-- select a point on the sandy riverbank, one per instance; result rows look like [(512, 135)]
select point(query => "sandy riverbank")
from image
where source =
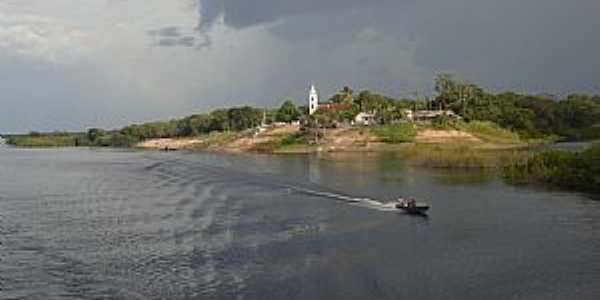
[(358, 139)]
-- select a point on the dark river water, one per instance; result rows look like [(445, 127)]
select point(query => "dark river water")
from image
[(110, 224)]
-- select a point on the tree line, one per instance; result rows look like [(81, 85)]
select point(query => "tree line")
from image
[(576, 117), (232, 119)]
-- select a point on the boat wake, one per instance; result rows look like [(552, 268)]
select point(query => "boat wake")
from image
[(275, 182), (362, 202)]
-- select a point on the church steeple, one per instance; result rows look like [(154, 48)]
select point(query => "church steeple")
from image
[(313, 100)]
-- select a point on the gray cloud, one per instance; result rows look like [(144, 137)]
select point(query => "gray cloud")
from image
[(531, 45), (171, 36), (184, 41), (240, 14), (187, 41), (167, 42), (170, 31)]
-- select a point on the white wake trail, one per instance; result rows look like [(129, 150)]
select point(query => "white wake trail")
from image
[(362, 202)]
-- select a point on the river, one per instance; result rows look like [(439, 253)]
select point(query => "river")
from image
[(113, 224)]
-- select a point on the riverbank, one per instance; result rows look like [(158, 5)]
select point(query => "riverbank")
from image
[(290, 139), (475, 147), (427, 147)]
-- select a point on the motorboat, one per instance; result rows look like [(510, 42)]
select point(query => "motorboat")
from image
[(411, 206)]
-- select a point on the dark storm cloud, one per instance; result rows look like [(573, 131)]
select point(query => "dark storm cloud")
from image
[(532, 45), (525, 44)]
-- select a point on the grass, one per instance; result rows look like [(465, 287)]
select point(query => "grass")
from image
[(44, 141), (491, 132), (396, 133), (293, 139), (560, 168), (287, 141), (216, 139), (459, 156)]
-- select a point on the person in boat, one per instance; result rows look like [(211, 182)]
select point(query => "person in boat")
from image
[(412, 203), (402, 201)]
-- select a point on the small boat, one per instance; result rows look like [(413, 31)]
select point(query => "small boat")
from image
[(412, 207), (168, 149)]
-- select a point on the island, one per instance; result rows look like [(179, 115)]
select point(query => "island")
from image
[(462, 126)]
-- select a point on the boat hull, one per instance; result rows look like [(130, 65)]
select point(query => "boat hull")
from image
[(417, 210)]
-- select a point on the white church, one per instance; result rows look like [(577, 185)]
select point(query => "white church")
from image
[(361, 118), (314, 105), (313, 100)]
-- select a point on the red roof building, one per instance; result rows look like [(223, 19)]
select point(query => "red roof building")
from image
[(335, 106)]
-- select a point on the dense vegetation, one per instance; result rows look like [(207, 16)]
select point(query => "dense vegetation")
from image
[(560, 168), (490, 132), (55, 139), (576, 117), (460, 156), (233, 119)]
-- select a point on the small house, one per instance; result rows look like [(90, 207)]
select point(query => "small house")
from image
[(364, 119), (430, 115)]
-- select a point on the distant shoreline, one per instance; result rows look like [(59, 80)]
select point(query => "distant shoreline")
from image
[(290, 139)]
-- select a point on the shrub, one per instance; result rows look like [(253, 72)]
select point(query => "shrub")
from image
[(565, 169), (396, 133)]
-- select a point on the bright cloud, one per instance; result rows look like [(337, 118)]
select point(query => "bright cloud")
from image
[(41, 38)]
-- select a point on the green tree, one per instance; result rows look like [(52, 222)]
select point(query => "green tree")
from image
[(346, 95), (445, 86), (246, 117), (94, 134), (219, 120), (288, 112)]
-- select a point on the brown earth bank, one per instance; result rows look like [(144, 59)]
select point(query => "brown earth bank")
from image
[(225, 141), (431, 136), (356, 139), (170, 144), (252, 142)]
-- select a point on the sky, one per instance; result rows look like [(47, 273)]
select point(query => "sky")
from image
[(77, 64)]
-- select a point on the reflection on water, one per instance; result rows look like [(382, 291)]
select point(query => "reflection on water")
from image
[(90, 224)]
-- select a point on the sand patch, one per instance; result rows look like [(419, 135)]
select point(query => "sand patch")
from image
[(171, 144), (431, 136)]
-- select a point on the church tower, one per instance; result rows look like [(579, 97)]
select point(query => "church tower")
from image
[(313, 100)]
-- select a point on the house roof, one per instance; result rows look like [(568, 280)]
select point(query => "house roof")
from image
[(335, 106)]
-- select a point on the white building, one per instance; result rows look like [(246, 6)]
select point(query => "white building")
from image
[(428, 115), (365, 119), (313, 100)]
